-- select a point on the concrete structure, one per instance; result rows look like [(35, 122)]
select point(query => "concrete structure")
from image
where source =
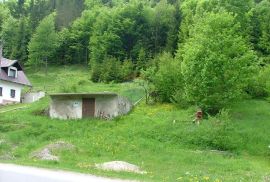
[(12, 80), (32, 97), (103, 105)]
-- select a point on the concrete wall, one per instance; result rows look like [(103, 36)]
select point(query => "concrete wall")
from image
[(106, 107), (7, 86), (66, 109), (32, 97), (124, 105)]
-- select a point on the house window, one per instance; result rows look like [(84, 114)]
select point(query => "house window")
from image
[(12, 93), (12, 72), (1, 91)]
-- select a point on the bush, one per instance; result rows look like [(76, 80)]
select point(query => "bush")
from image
[(166, 77), (259, 86), (112, 70), (220, 134)]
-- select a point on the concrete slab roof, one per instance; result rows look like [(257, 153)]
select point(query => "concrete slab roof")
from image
[(82, 95)]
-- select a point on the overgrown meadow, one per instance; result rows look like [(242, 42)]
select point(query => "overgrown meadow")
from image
[(160, 138)]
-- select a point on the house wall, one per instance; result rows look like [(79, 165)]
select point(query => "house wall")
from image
[(7, 86), (66, 108)]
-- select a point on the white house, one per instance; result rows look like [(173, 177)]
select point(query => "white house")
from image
[(12, 80)]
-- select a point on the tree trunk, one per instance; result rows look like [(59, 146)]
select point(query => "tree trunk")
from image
[(46, 66)]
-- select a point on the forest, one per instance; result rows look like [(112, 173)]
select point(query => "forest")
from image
[(188, 52)]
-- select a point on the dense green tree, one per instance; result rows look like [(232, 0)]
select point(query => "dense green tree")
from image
[(122, 32), (44, 42), (191, 9), (261, 30), (75, 39), (216, 62), (38, 9), (22, 38), (164, 27), (4, 15), (9, 35), (68, 11)]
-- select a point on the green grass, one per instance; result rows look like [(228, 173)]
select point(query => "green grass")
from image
[(160, 138), (77, 79)]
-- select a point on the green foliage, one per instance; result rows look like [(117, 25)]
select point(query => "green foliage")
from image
[(167, 78), (133, 31), (75, 40), (38, 10), (112, 70), (4, 14), (193, 9), (261, 30), (44, 42), (9, 29), (216, 62), (259, 87), (68, 11)]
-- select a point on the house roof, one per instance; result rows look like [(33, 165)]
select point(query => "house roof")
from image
[(6, 62), (82, 95), (21, 78)]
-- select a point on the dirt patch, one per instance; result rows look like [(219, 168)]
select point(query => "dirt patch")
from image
[(119, 166), (47, 152), (60, 145)]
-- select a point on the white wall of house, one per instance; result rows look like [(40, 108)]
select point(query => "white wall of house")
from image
[(6, 96)]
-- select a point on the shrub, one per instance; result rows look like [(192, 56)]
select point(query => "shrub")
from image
[(259, 86), (112, 70), (127, 70), (166, 77)]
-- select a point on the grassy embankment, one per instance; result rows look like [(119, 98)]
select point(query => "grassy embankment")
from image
[(160, 138)]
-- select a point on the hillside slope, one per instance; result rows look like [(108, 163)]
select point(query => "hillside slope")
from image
[(160, 138)]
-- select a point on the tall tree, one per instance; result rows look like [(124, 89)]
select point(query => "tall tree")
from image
[(261, 30), (216, 62), (39, 9), (44, 42), (9, 36), (68, 11)]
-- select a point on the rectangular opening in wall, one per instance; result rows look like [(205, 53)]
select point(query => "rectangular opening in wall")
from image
[(88, 107), (12, 93), (1, 91)]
